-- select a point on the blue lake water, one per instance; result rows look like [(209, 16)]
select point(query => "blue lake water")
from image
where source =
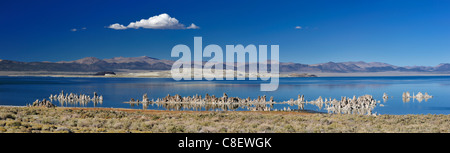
[(20, 91)]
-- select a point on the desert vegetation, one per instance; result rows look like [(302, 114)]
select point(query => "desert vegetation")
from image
[(98, 120)]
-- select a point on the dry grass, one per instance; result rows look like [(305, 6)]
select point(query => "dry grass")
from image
[(86, 120)]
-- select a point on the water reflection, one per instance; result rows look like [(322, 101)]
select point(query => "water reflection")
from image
[(362, 105), (419, 97), (196, 102), (385, 97), (203, 107), (352, 86)]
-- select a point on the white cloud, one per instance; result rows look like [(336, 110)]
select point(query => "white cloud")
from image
[(117, 26), (162, 21), (193, 26), (298, 27), (75, 29)]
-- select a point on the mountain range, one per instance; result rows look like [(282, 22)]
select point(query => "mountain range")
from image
[(92, 64)]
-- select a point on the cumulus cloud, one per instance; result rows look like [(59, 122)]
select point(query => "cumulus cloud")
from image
[(298, 27), (162, 21)]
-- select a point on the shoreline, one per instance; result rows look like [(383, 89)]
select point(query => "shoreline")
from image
[(152, 111)]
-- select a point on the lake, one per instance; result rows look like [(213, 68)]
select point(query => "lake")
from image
[(19, 91)]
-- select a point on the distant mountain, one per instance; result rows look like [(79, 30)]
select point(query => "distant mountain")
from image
[(86, 60), (145, 59), (443, 67), (92, 64), (362, 64), (120, 60), (297, 67), (347, 67), (339, 67)]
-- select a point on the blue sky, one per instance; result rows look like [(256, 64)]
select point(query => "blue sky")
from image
[(399, 32)]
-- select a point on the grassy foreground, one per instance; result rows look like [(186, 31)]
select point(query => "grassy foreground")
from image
[(82, 120)]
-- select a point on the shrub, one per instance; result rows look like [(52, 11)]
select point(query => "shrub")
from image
[(155, 117), (2, 129), (63, 130), (175, 129), (5, 116), (289, 128), (13, 123)]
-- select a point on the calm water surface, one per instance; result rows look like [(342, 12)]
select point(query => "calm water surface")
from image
[(19, 91)]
